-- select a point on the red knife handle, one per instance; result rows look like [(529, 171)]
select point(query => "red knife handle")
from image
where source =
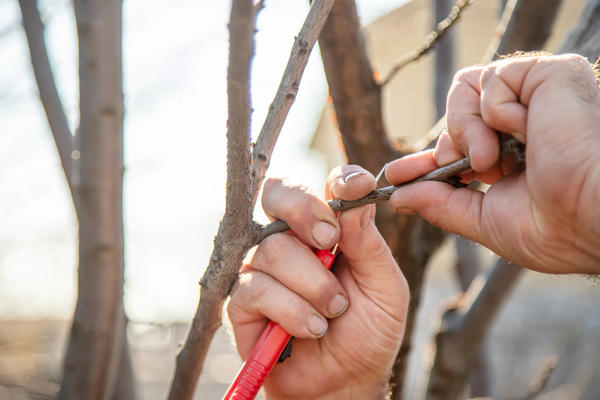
[(265, 353)]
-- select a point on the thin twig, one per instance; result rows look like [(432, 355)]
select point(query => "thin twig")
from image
[(430, 40), (443, 174), (286, 93), (53, 107), (542, 378)]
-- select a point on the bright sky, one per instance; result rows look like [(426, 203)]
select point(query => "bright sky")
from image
[(175, 55)]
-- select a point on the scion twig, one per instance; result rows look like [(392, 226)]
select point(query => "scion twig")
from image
[(443, 174)]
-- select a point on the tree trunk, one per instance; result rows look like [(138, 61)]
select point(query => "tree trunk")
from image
[(95, 346), (444, 64), (357, 102), (584, 38), (462, 333)]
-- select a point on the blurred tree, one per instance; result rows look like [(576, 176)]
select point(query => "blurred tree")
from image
[(97, 362)]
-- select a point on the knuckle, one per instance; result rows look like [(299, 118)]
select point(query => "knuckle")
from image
[(270, 183), (274, 248), (252, 286), (463, 73), (321, 286)]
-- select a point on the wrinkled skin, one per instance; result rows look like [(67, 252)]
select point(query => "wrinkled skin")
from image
[(349, 322), (546, 217)]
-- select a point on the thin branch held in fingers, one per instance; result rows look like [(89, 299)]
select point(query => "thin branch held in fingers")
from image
[(430, 40), (286, 93), (443, 174)]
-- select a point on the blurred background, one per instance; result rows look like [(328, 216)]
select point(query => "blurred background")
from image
[(175, 59)]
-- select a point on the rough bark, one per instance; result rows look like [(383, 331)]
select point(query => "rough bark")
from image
[(95, 346), (237, 230), (229, 249), (444, 65)]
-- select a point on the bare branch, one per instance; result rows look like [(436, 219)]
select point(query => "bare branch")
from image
[(532, 13), (430, 40), (96, 340), (286, 93), (355, 93), (464, 328), (57, 119), (229, 249)]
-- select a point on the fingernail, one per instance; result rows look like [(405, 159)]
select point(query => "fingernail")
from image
[(337, 305), (317, 325), (352, 175), (323, 233)]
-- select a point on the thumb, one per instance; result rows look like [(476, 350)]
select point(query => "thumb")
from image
[(370, 259), (454, 210)]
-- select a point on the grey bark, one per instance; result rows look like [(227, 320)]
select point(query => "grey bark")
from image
[(66, 143), (444, 65), (584, 38), (464, 328), (95, 346), (57, 119), (236, 234)]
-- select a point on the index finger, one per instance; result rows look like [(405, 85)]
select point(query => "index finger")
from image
[(308, 216)]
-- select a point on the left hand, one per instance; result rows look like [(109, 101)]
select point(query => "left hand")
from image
[(337, 352)]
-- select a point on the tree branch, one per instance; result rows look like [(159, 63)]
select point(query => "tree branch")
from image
[(95, 345), (430, 40), (464, 328), (535, 14), (458, 344), (229, 249), (442, 174), (57, 119), (286, 93), (355, 93)]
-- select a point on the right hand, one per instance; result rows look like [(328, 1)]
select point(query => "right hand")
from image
[(545, 217)]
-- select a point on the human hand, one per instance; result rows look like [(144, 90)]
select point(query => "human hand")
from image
[(545, 217), (364, 296)]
